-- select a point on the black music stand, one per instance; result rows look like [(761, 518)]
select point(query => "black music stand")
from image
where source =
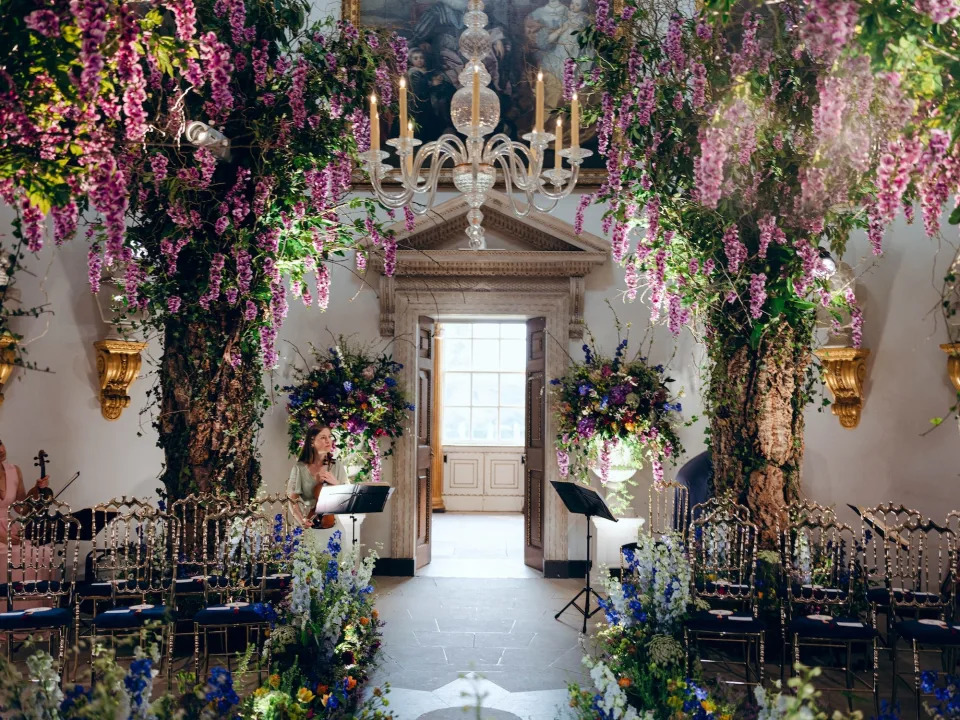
[(582, 500), (351, 500)]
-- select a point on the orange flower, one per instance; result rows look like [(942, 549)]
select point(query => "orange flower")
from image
[(375, 614), (324, 700), (322, 689), (351, 683), (624, 682), (364, 621)]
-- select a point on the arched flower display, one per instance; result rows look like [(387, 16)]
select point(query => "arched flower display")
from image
[(354, 391), (614, 407)]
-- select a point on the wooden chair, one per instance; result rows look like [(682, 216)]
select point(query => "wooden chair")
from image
[(922, 580), (40, 572), (722, 549), (818, 595)]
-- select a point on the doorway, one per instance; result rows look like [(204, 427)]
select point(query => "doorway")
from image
[(481, 447)]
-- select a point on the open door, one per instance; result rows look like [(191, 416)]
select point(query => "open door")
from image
[(534, 446), (425, 370)]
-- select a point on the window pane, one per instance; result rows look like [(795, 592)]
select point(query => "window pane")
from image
[(456, 388), (456, 424), (456, 353), (457, 330), (484, 425), (513, 330), (486, 355), (486, 330), (511, 389), (513, 354), (484, 390), (511, 426)]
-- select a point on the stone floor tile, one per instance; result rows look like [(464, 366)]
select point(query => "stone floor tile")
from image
[(473, 658), (445, 639), (503, 640)]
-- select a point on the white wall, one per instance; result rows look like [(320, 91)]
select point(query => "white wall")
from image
[(885, 458)]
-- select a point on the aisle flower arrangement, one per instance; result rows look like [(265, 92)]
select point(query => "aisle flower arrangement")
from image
[(354, 391), (614, 408)]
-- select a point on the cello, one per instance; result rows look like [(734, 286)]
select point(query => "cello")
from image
[(324, 522)]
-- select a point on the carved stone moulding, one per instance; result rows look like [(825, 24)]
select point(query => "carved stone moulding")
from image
[(8, 355), (953, 363), (118, 363), (845, 369)]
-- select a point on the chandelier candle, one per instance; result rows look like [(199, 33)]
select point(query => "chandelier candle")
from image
[(574, 122), (403, 108), (558, 146), (477, 152)]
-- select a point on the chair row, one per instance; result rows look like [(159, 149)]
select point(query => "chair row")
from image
[(832, 583), (144, 563)]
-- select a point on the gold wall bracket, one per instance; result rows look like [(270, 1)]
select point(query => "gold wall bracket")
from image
[(118, 363), (845, 370), (8, 356), (953, 363)]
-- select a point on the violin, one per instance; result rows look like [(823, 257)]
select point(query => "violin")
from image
[(41, 461), (324, 522)]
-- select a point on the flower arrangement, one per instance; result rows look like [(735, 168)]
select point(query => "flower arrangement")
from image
[(947, 705), (355, 392), (614, 406)]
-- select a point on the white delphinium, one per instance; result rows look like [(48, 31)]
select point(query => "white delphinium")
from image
[(801, 558), (613, 700), (41, 697)]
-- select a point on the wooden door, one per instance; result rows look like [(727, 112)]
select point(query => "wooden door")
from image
[(425, 370), (535, 446)]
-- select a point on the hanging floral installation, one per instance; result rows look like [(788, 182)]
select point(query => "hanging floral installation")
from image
[(353, 390), (611, 411), (215, 154), (741, 148)]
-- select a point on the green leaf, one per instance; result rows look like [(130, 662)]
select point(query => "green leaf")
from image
[(955, 216)]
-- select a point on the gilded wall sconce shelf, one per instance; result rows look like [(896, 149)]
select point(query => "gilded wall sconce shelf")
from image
[(845, 369), (7, 357), (953, 363), (118, 363)]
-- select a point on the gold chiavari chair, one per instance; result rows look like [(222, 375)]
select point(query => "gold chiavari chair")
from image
[(41, 566), (810, 510), (140, 546), (819, 602), (286, 538), (668, 511), (191, 514), (722, 548), (876, 531), (235, 571), (922, 584)]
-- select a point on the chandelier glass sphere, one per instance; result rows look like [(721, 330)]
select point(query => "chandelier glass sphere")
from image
[(475, 113)]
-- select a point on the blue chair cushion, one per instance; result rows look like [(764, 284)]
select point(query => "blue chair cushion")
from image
[(928, 634), (95, 589), (41, 618), (881, 596), (738, 623), (840, 628), (222, 615), (878, 596), (816, 592), (119, 618), (279, 581)]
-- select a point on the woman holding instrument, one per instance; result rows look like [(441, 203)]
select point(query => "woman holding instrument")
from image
[(314, 469)]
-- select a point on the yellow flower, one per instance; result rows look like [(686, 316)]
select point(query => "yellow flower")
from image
[(708, 705), (325, 699), (274, 681), (260, 692), (304, 695)]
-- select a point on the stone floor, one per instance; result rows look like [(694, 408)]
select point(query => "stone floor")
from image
[(478, 545)]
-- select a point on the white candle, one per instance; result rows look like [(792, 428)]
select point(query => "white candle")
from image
[(575, 122), (558, 145), (374, 125), (475, 110), (539, 120), (403, 108), (410, 156)]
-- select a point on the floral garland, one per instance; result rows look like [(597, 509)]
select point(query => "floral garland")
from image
[(606, 406), (355, 392)]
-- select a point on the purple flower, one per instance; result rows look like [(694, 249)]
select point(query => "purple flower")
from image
[(173, 304), (758, 294), (586, 427), (348, 386), (44, 22)]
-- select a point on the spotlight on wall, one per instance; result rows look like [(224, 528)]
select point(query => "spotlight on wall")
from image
[(828, 266), (202, 135)]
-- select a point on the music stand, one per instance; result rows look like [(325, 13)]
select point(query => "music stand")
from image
[(582, 500), (351, 500)]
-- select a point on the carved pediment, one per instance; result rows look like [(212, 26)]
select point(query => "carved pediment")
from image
[(536, 246)]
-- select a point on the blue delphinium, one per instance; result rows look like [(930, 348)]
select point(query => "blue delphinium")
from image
[(72, 697), (333, 571), (333, 544), (888, 711), (220, 689)]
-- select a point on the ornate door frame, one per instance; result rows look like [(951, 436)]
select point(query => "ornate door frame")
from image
[(542, 276)]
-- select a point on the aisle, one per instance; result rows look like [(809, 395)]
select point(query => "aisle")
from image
[(439, 629)]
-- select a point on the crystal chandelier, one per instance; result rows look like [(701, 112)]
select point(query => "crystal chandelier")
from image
[(475, 112)]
